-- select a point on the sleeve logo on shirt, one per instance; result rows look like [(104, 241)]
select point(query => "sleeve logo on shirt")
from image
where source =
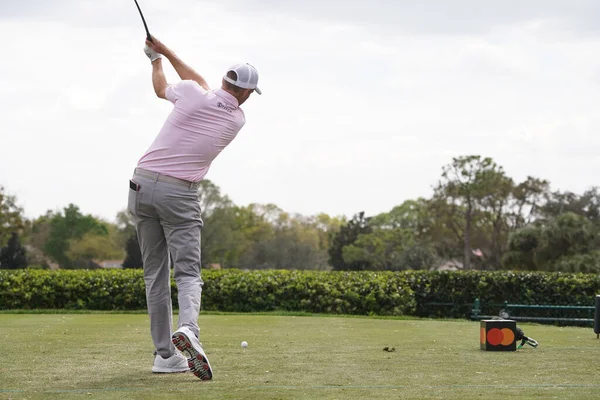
[(225, 107)]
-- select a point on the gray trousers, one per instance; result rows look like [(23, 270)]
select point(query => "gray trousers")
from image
[(166, 212)]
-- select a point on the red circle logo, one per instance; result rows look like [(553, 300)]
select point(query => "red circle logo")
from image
[(495, 336)]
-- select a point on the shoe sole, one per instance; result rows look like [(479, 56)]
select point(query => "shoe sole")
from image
[(168, 371), (197, 361)]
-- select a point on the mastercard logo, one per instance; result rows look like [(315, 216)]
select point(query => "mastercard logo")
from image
[(497, 337)]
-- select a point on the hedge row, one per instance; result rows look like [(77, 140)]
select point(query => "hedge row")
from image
[(72, 289), (383, 293), (360, 293), (496, 287)]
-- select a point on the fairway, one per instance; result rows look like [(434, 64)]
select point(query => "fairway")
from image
[(109, 356)]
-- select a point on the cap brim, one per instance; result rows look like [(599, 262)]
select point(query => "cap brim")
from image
[(257, 90)]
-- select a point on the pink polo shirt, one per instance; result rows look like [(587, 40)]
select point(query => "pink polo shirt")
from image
[(200, 126)]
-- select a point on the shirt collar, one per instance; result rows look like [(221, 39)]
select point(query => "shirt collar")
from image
[(228, 97)]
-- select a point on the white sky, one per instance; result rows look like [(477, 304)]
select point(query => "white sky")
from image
[(364, 101)]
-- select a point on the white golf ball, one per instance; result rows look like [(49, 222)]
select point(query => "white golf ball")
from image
[(244, 344)]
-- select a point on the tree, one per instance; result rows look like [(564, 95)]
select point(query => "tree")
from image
[(133, 255), (494, 203), (588, 263), (408, 215), (568, 234), (125, 226), (221, 243), (418, 256), (522, 247), (12, 256), (37, 233), (94, 247), (346, 236), (554, 244), (586, 205), (128, 240), (210, 198), (253, 224), (294, 244), (379, 250), (526, 202), (223, 238), (11, 217), (399, 240), (267, 237), (445, 234), (69, 225), (327, 227), (471, 186)]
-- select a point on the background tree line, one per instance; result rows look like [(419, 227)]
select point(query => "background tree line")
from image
[(476, 218)]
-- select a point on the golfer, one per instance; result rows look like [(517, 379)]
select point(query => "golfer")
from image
[(163, 199)]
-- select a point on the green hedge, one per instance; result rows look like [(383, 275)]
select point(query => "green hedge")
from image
[(363, 293), (383, 293), (72, 289), (360, 293), (496, 287)]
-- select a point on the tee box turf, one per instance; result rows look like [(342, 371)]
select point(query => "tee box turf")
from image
[(498, 335)]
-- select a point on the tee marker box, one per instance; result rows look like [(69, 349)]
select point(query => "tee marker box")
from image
[(498, 335)]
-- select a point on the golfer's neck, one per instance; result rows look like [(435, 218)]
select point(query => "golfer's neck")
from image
[(238, 96)]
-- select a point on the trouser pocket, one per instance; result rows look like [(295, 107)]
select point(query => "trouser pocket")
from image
[(132, 201)]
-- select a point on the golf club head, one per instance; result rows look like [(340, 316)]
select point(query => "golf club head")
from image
[(532, 342)]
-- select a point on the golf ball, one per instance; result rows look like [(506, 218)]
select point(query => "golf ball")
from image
[(244, 344)]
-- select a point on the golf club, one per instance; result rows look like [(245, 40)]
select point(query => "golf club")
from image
[(148, 37)]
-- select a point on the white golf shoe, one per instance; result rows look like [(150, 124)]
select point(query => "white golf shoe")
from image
[(186, 341), (176, 363)]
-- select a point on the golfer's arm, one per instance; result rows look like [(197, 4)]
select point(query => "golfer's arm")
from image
[(184, 71), (159, 81)]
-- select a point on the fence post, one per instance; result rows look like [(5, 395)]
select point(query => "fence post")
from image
[(597, 318), (476, 310)]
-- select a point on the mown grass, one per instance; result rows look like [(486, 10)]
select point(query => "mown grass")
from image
[(109, 356)]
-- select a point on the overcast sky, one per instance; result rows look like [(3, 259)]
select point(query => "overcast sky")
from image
[(363, 102)]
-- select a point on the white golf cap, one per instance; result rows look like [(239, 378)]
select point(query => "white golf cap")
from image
[(247, 77)]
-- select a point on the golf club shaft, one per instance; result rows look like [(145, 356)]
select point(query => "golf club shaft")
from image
[(148, 37)]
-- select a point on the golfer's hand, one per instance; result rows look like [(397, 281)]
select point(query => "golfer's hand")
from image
[(157, 46), (152, 55)]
